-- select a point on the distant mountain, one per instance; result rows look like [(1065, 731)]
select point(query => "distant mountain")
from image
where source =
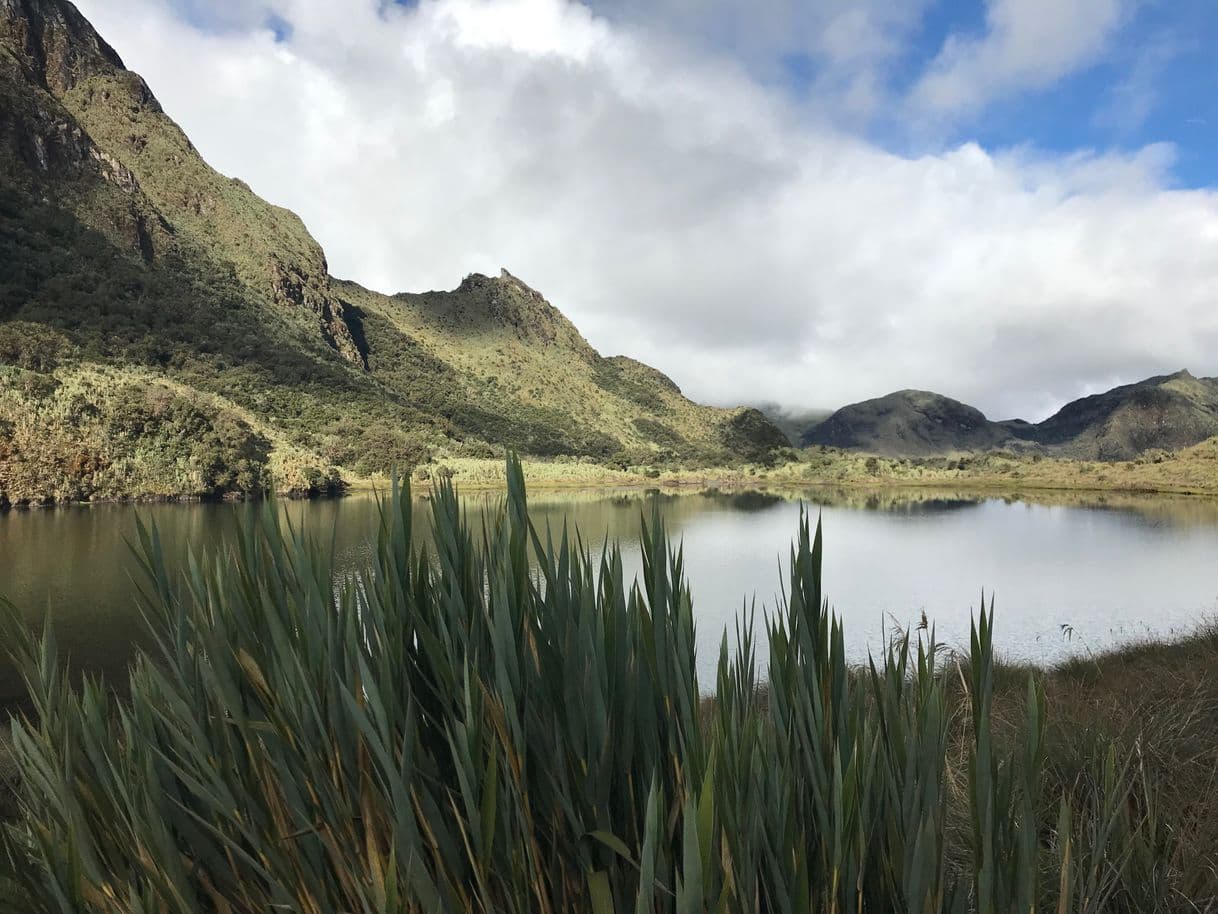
[(164, 331), (912, 423), (1168, 412)]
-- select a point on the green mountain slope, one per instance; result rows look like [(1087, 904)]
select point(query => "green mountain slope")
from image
[(165, 332)]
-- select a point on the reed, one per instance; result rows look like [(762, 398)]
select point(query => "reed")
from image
[(501, 721)]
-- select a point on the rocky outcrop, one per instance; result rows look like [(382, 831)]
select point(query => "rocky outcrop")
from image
[(54, 42), (293, 288), (44, 150)]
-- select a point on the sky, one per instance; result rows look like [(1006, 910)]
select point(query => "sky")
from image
[(800, 202)]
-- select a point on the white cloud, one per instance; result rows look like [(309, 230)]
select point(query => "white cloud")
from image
[(682, 213), (1027, 44), (838, 54)]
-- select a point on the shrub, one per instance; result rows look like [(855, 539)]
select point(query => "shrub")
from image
[(33, 347), (106, 436), (749, 434), (381, 449)]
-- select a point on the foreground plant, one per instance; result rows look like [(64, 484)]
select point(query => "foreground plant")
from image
[(500, 722)]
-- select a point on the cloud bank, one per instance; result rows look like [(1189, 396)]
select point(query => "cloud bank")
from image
[(686, 212)]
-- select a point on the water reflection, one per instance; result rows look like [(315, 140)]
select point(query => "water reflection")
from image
[(1109, 567)]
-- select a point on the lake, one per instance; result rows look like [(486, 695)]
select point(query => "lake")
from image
[(1068, 578)]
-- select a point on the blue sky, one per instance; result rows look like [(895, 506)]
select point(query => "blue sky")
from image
[(1156, 83)]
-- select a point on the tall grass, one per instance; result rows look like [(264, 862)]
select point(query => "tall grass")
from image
[(503, 722)]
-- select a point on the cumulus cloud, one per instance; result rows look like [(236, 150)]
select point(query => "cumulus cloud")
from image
[(681, 211), (843, 49), (1026, 44)]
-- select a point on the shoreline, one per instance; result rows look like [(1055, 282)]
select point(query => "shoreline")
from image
[(487, 477)]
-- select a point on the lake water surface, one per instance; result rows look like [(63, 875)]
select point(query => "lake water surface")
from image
[(1068, 578)]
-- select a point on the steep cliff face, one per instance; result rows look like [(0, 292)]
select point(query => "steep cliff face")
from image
[(44, 151), (71, 109), (158, 318), (54, 42)]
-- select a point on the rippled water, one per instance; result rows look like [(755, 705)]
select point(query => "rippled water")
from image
[(1067, 577)]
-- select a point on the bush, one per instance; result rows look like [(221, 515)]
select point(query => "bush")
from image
[(33, 347), (105, 436), (749, 434)]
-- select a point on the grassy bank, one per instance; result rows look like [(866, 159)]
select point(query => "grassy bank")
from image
[(1190, 471), (471, 732), (1154, 704)]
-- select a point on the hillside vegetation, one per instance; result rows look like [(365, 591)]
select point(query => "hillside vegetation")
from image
[(124, 256)]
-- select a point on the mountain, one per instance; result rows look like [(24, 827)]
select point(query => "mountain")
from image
[(1169, 412), (912, 423), (165, 331)]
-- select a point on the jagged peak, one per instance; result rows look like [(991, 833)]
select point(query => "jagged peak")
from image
[(505, 279), (518, 283)]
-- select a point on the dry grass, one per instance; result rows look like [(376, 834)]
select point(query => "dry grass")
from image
[(1156, 704), (1193, 471)]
